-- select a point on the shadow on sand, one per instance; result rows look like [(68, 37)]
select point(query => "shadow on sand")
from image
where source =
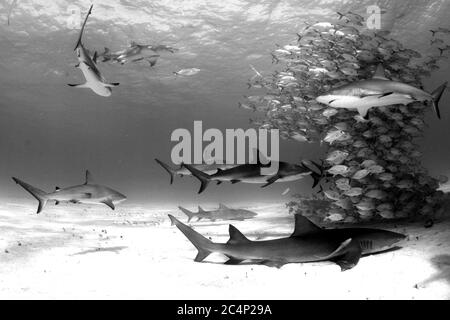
[(442, 265), (96, 250)]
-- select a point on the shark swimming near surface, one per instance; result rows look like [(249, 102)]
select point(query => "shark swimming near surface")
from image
[(223, 213), (87, 193), (379, 91), (88, 66), (308, 243), (251, 173)]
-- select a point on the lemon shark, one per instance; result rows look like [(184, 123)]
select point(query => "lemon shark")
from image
[(379, 91), (251, 173), (223, 213), (308, 243), (88, 193), (88, 66)]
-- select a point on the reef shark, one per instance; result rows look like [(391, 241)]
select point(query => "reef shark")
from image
[(251, 173), (223, 213), (308, 243), (182, 171), (379, 91), (88, 66), (88, 193), (136, 52)]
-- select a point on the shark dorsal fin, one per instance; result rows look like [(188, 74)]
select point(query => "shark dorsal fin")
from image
[(57, 188), (303, 226), (379, 73), (222, 206), (236, 236), (89, 179), (200, 209)]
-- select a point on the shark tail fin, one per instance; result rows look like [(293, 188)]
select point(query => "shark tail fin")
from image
[(437, 94), (167, 168), (40, 195), (203, 177), (82, 28), (189, 214), (202, 244)]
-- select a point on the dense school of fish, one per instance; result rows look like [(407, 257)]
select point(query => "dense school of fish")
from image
[(372, 168)]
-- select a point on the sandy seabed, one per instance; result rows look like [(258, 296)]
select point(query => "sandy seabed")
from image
[(82, 252)]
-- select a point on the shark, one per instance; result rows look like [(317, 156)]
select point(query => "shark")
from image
[(182, 171), (251, 173), (88, 66), (379, 91), (308, 243), (87, 193), (223, 213), (136, 52)]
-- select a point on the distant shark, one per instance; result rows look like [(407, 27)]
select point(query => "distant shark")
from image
[(182, 171), (135, 53), (379, 91), (88, 193), (251, 173), (223, 213), (88, 66), (308, 243)]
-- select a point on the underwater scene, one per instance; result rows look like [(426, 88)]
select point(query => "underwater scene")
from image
[(203, 149)]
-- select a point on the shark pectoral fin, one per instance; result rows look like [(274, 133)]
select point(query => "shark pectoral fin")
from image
[(363, 111), (109, 203), (350, 258), (276, 264), (79, 85), (235, 181), (112, 85), (271, 180), (233, 261)]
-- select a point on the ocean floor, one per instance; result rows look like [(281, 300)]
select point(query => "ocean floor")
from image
[(76, 251)]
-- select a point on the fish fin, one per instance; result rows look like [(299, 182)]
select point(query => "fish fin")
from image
[(106, 50), (167, 168), (276, 264), (152, 60), (350, 258), (89, 179), (109, 203), (437, 94), (111, 85), (222, 206), (235, 181), (379, 73), (385, 94), (82, 28), (56, 203), (219, 182), (77, 65), (189, 214), (236, 236), (200, 175), (233, 261), (363, 111), (304, 226), (271, 180), (57, 188), (200, 242), (316, 178), (79, 85), (40, 195), (94, 57)]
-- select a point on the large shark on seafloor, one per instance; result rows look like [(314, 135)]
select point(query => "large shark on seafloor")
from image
[(377, 92), (308, 243), (88, 66), (223, 213), (251, 173), (88, 193)]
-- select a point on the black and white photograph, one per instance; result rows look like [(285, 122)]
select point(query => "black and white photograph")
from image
[(200, 150)]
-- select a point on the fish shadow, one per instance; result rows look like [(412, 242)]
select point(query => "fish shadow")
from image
[(442, 265), (116, 250)]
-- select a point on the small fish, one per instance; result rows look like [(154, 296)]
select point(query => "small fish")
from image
[(376, 194), (187, 72), (361, 174), (339, 170), (337, 157), (354, 192), (332, 195)]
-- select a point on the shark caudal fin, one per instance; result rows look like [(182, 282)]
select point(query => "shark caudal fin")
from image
[(189, 214), (168, 169), (202, 244), (200, 175), (82, 28), (437, 94), (40, 195)]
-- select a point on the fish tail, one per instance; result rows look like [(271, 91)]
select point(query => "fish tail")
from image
[(40, 195), (203, 245), (82, 28), (437, 94), (203, 177), (168, 169), (189, 214)]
